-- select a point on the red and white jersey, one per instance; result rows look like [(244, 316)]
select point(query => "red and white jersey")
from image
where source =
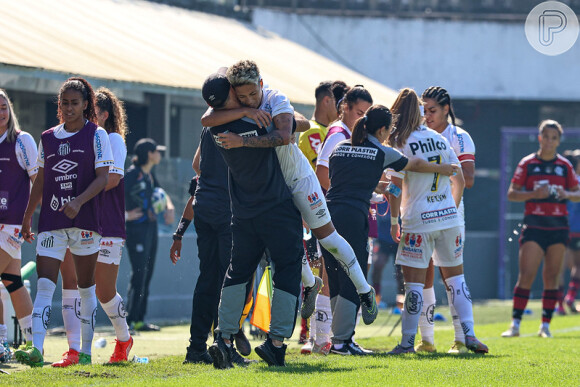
[(427, 202), (461, 142), (550, 213)]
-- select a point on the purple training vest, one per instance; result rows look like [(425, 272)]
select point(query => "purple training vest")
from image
[(113, 212), (14, 184), (373, 225), (69, 168)]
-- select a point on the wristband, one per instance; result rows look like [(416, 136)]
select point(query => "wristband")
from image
[(177, 237), (182, 226), (394, 220)]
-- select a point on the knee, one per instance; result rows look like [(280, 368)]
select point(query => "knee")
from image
[(12, 282)]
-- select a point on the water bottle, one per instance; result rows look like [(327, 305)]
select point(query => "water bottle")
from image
[(140, 360)]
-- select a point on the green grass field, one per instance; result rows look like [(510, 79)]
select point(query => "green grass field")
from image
[(524, 361)]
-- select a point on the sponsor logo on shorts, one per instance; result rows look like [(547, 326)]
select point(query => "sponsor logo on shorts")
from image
[(4, 200), (105, 253), (314, 200), (107, 243), (17, 233), (63, 149), (412, 246), (320, 213), (14, 242), (87, 238), (48, 243), (413, 302), (64, 166), (458, 246)]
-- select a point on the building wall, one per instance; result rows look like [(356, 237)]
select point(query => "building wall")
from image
[(472, 59)]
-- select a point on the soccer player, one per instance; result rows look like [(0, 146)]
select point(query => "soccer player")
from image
[(544, 180), (74, 160), (142, 235), (438, 113), (19, 168), (573, 248), (430, 222), (263, 216), (355, 169), (307, 194)]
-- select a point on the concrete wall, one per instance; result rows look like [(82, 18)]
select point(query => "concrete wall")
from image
[(472, 59)]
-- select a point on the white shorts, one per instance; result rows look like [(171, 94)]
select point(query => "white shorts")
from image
[(308, 198), (111, 251), (11, 240), (446, 247), (54, 243)]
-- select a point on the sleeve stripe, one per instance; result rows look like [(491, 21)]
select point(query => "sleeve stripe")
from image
[(466, 157)]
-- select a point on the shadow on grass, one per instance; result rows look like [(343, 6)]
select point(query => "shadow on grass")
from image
[(436, 356), (307, 368)]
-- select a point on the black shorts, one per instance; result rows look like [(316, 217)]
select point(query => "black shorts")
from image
[(545, 238)]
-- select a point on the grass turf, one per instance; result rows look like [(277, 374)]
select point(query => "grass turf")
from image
[(527, 360)]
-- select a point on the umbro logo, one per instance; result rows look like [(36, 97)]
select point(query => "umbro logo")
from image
[(64, 166)]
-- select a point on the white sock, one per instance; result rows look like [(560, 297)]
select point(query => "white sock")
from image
[(411, 312), (344, 254), (115, 309), (545, 325), (88, 311), (3, 333), (462, 302), (71, 308), (516, 323), (41, 311), (26, 327), (459, 335), (307, 276), (323, 315), (426, 323)]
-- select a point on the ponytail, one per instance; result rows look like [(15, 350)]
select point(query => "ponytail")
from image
[(375, 118)]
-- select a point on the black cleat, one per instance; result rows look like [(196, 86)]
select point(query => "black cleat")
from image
[(242, 343), (197, 357), (220, 354), (270, 354)]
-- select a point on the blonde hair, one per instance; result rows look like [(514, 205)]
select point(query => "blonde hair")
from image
[(406, 110), (244, 72), (13, 127)]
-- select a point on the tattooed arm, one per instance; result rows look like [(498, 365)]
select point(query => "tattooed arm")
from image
[(279, 136)]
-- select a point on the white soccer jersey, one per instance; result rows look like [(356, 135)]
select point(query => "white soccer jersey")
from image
[(427, 203), (293, 163), (26, 152), (464, 149)]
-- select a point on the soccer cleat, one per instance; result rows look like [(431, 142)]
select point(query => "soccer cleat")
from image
[(197, 357), (270, 354), (70, 357), (140, 326), (237, 359), (121, 352), (310, 295), (242, 343), (5, 352), (322, 349), (511, 332), (31, 357), (560, 311), (400, 350), (458, 347), (350, 348), (475, 345), (306, 348), (220, 354), (84, 359), (425, 346), (570, 304), (544, 332), (368, 304)]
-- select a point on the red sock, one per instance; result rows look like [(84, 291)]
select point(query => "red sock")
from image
[(521, 297), (549, 300)]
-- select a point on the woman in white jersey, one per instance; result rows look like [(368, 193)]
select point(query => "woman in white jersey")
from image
[(74, 159), (440, 117), (18, 166), (110, 116), (307, 194), (431, 224)]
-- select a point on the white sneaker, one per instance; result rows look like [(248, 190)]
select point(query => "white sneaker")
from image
[(511, 332), (306, 348), (544, 332)]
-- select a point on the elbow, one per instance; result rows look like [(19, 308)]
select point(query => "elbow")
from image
[(286, 138), (469, 182), (205, 121)]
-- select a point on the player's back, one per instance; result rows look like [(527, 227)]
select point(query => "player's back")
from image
[(427, 203)]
